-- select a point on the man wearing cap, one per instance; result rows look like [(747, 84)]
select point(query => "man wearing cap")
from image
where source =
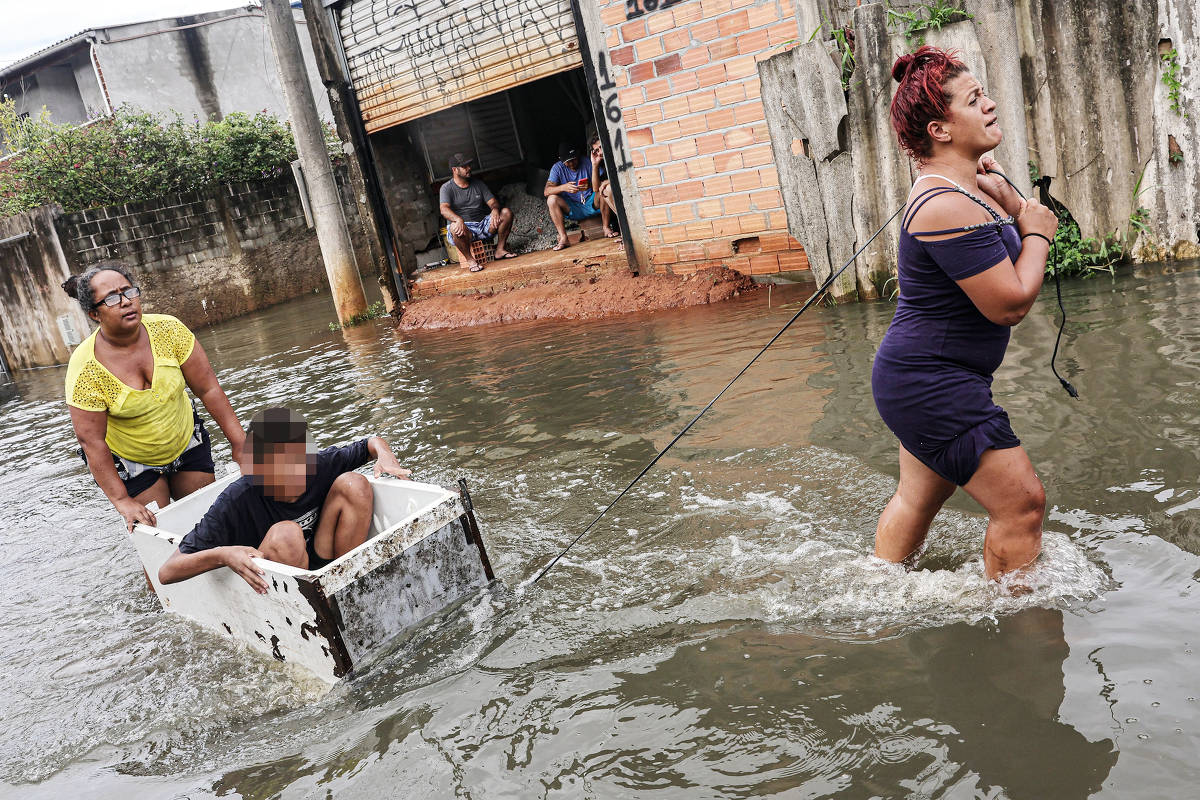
[(569, 189), (295, 505), (472, 213)]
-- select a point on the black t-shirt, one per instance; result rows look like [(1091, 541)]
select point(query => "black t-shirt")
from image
[(242, 514)]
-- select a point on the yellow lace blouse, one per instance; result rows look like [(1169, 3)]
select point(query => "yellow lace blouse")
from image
[(150, 426)]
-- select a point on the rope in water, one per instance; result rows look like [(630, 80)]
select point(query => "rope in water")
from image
[(1043, 184), (824, 287)]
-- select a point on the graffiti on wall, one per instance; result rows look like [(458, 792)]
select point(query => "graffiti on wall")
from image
[(637, 8), (411, 57), (612, 111)]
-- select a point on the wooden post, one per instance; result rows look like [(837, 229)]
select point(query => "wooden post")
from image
[(337, 250)]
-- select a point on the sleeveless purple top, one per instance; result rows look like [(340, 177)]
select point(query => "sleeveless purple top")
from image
[(932, 375)]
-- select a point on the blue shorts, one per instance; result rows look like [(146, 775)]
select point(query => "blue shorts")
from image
[(584, 210), (196, 458), (481, 230)]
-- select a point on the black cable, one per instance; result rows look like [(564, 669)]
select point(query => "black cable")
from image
[(1043, 184), (816, 295)]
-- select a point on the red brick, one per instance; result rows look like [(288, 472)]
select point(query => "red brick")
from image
[(711, 75), (763, 15), (778, 220), (612, 39), (741, 137), (727, 162), (706, 31), (722, 249), (768, 176), (654, 217), (745, 181), (734, 24), (674, 172), (641, 72), (699, 230), (753, 223), (701, 101), (663, 195), (762, 264), (757, 156), (675, 107), (639, 158), (753, 87), (648, 176), (647, 113), (666, 131), (691, 190), (701, 167), (684, 212), (674, 234), (773, 242), (695, 57), (684, 148), (783, 32), (793, 260), (737, 204), (741, 67), (613, 15), (659, 154), (686, 14), (622, 56), (648, 49), (631, 97), (692, 126), (663, 255), (658, 89), (717, 185), (727, 226), (690, 252), (657, 23), (736, 4), (714, 8), (767, 200), (684, 81), (731, 93), (720, 120), (739, 263), (632, 31), (726, 48), (762, 133), (753, 42), (640, 137), (712, 143), (677, 40), (709, 208), (667, 64), (747, 113)]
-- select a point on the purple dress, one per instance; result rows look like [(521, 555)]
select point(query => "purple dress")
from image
[(932, 377)]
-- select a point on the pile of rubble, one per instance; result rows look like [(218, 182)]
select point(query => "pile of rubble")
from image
[(533, 229)]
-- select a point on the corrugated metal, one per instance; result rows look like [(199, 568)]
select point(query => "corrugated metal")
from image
[(413, 58)]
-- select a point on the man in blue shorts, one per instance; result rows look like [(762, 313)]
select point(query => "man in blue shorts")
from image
[(472, 213), (569, 190), (295, 506)]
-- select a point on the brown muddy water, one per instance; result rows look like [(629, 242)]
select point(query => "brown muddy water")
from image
[(725, 634)]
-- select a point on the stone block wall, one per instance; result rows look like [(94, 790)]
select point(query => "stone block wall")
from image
[(702, 165)]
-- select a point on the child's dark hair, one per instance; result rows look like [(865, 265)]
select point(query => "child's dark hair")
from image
[(79, 286), (272, 427)]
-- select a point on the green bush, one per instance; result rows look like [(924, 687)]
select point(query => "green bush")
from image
[(134, 155)]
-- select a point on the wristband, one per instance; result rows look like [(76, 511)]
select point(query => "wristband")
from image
[(1046, 239)]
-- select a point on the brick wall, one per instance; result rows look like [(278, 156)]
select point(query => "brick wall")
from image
[(702, 163)]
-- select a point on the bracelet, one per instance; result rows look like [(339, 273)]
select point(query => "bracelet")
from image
[(1046, 239)]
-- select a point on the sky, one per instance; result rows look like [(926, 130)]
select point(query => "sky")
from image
[(30, 25)]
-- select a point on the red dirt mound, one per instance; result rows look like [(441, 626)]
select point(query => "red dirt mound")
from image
[(580, 299)]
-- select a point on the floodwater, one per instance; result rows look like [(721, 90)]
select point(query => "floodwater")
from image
[(725, 634)]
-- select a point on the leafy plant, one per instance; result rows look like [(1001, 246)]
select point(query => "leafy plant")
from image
[(1171, 79), (134, 155), (1075, 254), (843, 37), (374, 311), (914, 23)]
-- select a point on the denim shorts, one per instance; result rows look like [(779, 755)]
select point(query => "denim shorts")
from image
[(481, 230), (196, 458)]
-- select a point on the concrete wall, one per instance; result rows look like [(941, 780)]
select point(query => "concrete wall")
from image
[(1079, 93), (203, 257), (208, 70), (60, 87)]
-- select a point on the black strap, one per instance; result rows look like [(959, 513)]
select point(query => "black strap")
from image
[(925, 196)]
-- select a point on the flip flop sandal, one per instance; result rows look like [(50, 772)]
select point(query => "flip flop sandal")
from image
[(506, 256), (562, 246), (476, 268)]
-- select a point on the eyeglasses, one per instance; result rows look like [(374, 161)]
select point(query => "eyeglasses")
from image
[(114, 298)]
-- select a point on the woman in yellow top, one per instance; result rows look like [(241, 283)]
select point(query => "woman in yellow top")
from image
[(125, 387)]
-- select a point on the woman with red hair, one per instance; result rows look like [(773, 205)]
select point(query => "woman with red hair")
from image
[(971, 261)]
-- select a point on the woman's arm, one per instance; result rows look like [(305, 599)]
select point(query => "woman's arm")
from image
[(1005, 293), (201, 379), (90, 428)]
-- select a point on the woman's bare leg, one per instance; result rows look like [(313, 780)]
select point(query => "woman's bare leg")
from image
[(906, 519), (1006, 485)]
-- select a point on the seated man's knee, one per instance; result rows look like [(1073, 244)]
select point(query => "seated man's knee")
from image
[(284, 542), (506, 214), (353, 486)]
